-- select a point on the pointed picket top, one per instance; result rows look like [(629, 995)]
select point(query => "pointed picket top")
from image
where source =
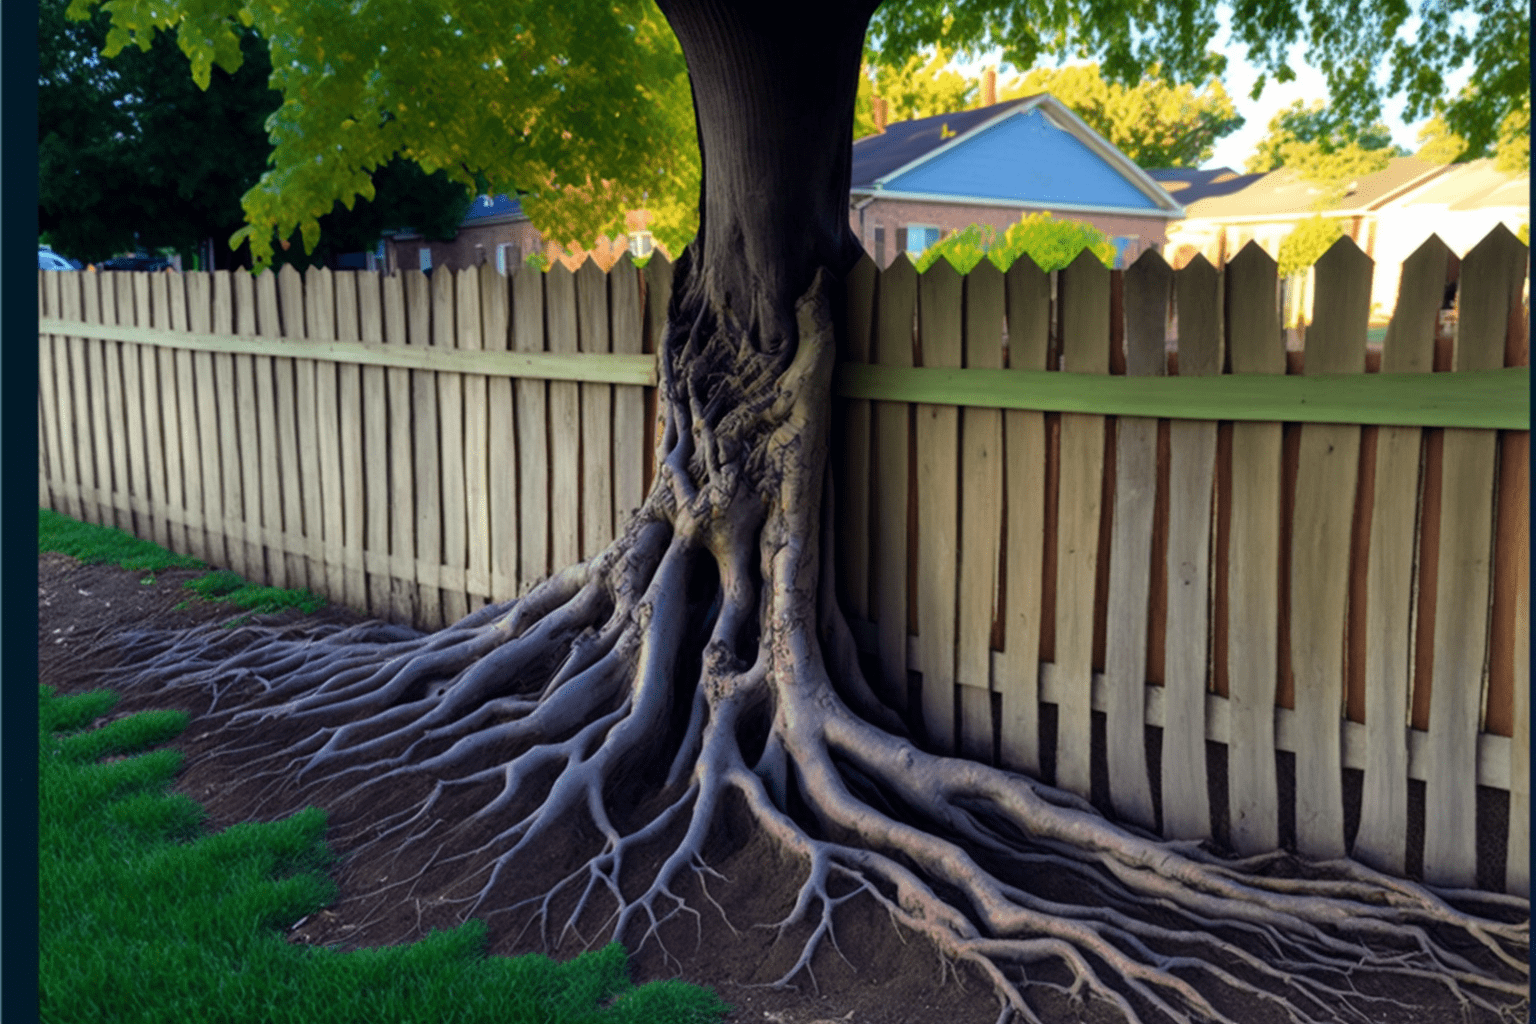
[(986, 270), (1341, 310), (1409, 346), (623, 263), (939, 311), (985, 304), (1148, 285), (1253, 318), (1084, 294), (1490, 279), (940, 267), (1196, 287), (897, 289), (1028, 291), (859, 286)]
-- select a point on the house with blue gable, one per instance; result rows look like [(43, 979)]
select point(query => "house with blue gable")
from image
[(918, 180)]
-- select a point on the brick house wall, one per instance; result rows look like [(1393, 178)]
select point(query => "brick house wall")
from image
[(478, 242), (886, 216)]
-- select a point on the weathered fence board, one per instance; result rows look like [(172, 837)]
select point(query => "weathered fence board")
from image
[(853, 499), (1191, 479), (981, 504), (1085, 349), (1253, 566), (938, 502), (1327, 473), (564, 421), (1408, 348), (501, 514), (532, 432), (1147, 286), (1027, 290)]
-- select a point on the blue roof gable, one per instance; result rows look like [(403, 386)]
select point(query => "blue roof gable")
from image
[(1024, 158)]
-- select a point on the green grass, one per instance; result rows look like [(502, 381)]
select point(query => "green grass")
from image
[(104, 545), (145, 917)]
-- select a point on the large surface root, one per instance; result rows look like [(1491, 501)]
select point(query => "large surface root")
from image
[(701, 662)]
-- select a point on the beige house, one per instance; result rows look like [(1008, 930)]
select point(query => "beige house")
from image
[(1388, 215), (1461, 206)]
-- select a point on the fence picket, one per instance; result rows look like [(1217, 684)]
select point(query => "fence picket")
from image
[(52, 492), (1085, 349), (427, 472), (101, 444), (533, 460), (401, 491), (501, 443), (136, 492), (1191, 479), (69, 418), (231, 489), (377, 493), (117, 413), (249, 427), (889, 492), (477, 483), (564, 420), (1326, 477), (1028, 297), (450, 438), (307, 520), (630, 441), (1253, 564), (1490, 283), (981, 504), (596, 413), (938, 540), (1147, 286), (349, 385), (276, 410), (210, 506), (1409, 348)]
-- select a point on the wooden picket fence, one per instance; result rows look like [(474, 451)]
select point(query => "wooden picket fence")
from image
[(410, 446), (1268, 606)]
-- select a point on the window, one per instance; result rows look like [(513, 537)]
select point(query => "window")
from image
[(920, 237), (640, 244), (424, 259), (506, 257)]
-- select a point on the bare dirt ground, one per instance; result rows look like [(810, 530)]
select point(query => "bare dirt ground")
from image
[(898, 979)]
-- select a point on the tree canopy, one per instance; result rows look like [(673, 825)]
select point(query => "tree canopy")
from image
[(585, 106), (1152, 122), (133, 154), (1319, 131)]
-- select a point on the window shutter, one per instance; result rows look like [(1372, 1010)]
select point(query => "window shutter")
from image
[(901, 239)]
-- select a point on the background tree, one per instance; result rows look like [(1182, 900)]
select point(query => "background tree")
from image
[(1306, 244), (698, 674), (1053, 244), (1318, 130), (583, 108), (1152, 122), (132, 154), (922, 86)]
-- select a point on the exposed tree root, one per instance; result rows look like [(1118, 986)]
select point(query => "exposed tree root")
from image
[(702, 659)]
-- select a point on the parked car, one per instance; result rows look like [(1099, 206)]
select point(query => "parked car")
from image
[(153, 263), (47, 259)]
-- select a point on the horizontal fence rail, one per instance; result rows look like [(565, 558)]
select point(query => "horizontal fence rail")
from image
[(1097, 526)]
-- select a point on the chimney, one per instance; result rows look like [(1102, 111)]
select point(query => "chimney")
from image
[(988, 87), (877, 110)]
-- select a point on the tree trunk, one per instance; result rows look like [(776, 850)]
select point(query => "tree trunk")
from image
[(702, 658)]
